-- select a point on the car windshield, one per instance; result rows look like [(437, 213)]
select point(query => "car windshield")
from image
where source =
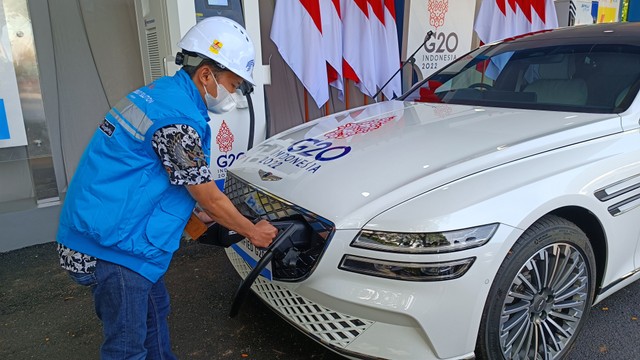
[(598, 78)]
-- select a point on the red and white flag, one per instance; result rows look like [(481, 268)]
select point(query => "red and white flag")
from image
[(378, 39), (332, 42), (501, 19), (357, 45), (297, 32), (390, 58), (326, 41)]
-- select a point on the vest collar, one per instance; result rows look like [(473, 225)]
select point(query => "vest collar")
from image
[(183, 79)]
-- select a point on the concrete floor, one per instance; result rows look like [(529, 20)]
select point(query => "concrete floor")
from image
[(44, 315)]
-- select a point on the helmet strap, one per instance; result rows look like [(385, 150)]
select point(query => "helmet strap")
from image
[(193, 60), (186, 59)]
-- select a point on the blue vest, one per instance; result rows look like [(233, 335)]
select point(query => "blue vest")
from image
[(120, 206)]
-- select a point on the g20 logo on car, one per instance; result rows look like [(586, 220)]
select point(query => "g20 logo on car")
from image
[(354, 128), (310, 153), (307, 154), (318, 149)]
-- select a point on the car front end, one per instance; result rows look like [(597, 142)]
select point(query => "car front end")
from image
[(352, 299), (431, 222)]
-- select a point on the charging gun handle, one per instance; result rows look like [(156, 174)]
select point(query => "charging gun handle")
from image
[(245, 285)]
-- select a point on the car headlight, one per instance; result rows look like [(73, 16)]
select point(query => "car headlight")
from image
[(425, 243), (408, 271)]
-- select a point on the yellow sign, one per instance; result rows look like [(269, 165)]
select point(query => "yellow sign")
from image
[(608, 11)]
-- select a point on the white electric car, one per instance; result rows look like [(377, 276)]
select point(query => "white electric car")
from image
[(480, 215)]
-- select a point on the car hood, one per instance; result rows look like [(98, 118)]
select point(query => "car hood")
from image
[(351, 166)]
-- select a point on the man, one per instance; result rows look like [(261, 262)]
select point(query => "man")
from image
[(137, 184)]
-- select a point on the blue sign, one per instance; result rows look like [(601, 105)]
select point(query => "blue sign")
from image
[(4, 124), (594, 11), (634, 10)]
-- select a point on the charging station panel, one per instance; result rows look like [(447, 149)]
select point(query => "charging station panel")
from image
[(232, 132), (231, 9)]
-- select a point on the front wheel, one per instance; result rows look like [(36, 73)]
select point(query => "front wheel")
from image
[(541, 295)]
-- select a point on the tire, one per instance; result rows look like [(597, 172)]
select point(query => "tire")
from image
[(549, 308)]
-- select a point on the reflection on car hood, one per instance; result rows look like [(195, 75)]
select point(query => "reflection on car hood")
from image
[(382, 154)]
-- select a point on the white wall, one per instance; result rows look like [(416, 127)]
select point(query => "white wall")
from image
[(88, 58)]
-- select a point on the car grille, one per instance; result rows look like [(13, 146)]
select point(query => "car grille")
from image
[(330, 327), (270, 207)]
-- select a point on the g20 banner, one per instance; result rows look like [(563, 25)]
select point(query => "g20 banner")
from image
[(452, 24)]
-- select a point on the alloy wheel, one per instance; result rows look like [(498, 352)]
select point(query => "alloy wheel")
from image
[(544, 304)]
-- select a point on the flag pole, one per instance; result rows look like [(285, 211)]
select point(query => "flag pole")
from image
[(306, 106), (346, 93), (326, 105)]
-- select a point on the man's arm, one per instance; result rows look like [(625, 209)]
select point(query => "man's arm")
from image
[(221, 210), (179, 148)]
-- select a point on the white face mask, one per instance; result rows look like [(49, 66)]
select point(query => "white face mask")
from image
[(221, 104)]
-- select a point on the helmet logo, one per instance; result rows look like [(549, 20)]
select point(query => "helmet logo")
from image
[(249, 66), (215, 47)]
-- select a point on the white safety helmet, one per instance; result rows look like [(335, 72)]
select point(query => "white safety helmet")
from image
[(223, 41)]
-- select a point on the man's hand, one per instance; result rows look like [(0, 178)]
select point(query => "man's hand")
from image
[(219, 208), (263, 234)]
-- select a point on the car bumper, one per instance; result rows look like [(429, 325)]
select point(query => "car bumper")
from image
[(366, 317)]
